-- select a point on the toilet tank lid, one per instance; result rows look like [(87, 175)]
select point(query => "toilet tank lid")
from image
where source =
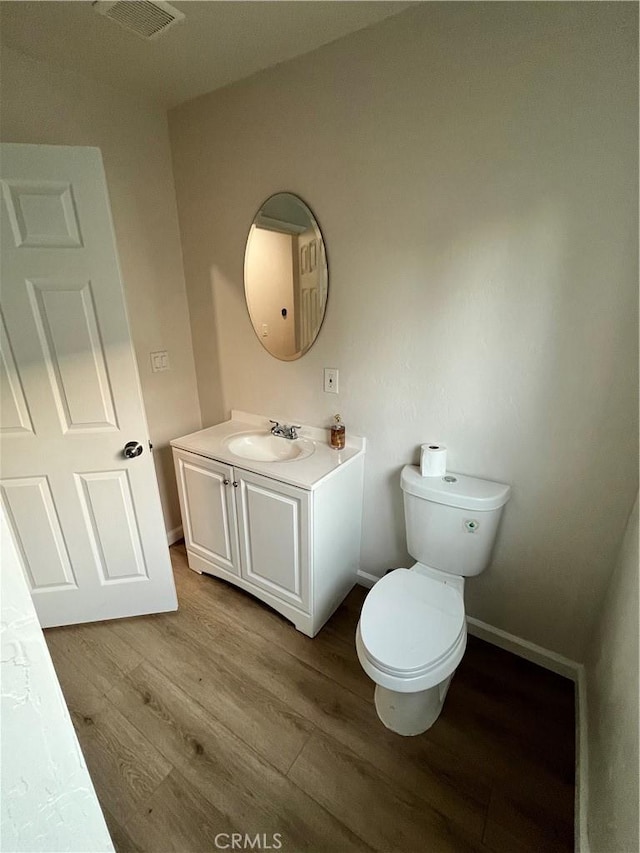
[(455, 490)]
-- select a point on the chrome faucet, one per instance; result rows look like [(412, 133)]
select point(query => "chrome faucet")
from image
[(284, 431)]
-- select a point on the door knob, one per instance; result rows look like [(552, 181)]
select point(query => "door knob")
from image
[(132, 449)]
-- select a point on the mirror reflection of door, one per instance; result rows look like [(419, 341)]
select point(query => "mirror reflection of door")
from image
[(286, 276)]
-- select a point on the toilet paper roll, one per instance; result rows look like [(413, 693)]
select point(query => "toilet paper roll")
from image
[(433, 460)]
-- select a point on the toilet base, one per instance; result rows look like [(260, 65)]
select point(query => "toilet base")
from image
[(410, 713)]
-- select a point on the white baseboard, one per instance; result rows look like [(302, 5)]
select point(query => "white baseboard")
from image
[(524, 649), (561, 666), (175, 534), (569, 669), (365, 579), (582, 763), (509, 642)]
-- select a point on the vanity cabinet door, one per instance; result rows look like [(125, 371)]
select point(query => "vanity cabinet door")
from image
[(273, 521), (208, 509)]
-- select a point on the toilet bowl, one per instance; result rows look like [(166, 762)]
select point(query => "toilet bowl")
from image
[(412, 632), (410, 639)]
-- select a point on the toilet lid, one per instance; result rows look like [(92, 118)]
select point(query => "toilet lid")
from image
[(410, 621)]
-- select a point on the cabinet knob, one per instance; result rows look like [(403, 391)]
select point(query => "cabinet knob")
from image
[(226, 482), (235, 485)]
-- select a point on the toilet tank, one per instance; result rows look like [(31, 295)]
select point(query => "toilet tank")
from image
[(451, 521)]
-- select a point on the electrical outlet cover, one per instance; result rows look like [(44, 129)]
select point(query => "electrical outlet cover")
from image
[(331, 380)]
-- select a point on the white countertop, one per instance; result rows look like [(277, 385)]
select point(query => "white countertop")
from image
[(305, 473)]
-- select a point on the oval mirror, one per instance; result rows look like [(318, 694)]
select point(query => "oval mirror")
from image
[(286, 278)]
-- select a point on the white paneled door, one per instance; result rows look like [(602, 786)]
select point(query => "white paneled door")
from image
[(78, 482)]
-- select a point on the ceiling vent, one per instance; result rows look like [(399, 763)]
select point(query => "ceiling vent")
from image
[(146, 18)]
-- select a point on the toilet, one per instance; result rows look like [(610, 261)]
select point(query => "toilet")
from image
[(412, 631)]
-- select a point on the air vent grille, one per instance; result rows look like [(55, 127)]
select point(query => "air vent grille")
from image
[(145, 18)]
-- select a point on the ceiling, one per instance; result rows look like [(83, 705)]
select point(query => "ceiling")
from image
[(217, 43)]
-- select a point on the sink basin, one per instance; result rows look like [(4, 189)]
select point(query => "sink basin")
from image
[(264, 447)]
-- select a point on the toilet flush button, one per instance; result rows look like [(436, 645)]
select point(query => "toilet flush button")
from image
[(471, 526)]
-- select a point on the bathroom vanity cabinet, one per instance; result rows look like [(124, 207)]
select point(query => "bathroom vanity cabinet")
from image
[(292, 540)]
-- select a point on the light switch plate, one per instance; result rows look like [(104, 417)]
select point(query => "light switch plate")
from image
[(331, 380), (159, 361)]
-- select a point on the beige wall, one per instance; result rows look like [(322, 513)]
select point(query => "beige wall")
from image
[(612, 703), (43, 105), (474, 170)]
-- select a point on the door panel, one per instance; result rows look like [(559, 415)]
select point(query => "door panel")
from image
[(115, 538), (274, 539), (86, 519), (31, 513), (208, 509), (42, 213), (65, 318), (14, 412)]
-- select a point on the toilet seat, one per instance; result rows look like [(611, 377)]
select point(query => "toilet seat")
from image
[(412, 629)]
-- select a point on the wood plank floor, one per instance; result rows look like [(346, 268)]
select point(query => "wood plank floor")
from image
[(222, 718)]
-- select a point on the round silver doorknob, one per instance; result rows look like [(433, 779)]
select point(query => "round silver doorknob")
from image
[(132, 449)]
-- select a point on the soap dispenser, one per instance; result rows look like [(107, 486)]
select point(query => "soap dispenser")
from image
[(338, 433)]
